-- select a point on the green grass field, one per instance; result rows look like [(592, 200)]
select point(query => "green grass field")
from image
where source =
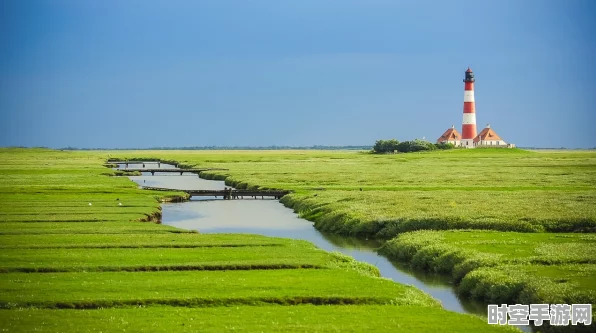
[(528, 216), (84, 228), (498, 189), (140, 240), (142, 258), (506, 266), (301, 318), (103, 269), (196, 288), (530, 284)]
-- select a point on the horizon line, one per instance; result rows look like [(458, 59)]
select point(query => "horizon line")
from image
[(273, 147)]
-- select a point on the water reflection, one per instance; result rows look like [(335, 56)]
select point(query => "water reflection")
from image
[(351, 242)]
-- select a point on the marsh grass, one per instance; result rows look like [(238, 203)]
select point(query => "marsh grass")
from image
[(528, 284), (384, 195), (94, 290), (110, 259), (269, 318), (46, 223), (505, 266), (384, 214), (141, 239), (521, 195), (65, 229)]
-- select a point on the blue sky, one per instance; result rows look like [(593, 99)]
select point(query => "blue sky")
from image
[(311, 72)]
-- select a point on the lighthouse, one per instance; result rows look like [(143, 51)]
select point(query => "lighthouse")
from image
[(468, 129), (468, 139)]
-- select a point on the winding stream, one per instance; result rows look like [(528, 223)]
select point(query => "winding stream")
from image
[(270, 218)]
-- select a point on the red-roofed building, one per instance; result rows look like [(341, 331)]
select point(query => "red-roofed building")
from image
[(488, 137), (450, 136)]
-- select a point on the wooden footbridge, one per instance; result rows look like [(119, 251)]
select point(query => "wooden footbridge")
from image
[(180, 171), (138, 162), (227, 193), (134, 162)]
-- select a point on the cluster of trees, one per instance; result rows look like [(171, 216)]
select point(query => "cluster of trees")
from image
[(385, 146), (390, 146)]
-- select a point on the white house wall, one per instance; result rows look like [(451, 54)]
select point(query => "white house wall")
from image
[(492, 143)]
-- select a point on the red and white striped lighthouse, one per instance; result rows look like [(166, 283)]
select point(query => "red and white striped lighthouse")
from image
[(468, 130)]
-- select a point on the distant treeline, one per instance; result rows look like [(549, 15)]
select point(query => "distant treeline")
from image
[(391, 146), (234, 148)]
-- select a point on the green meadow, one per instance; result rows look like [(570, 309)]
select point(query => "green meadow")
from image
[(73, 259), (506, 267), (265, 318), (508, 225), (357, 193), (140, 240), (143, 258), (82, 228), (196, 288)]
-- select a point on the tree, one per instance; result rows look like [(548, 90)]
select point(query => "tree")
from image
[(389, 146), (444, 146), (385, 146), (415, 145)]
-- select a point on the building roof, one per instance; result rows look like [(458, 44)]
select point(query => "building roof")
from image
[(469, 70), (487, 134), (450, 135)]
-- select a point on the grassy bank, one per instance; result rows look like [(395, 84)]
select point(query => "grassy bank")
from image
[(506, 267), (385, 214), (67, 246)]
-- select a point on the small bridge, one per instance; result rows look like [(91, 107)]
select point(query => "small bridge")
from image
[(228, 193), (134, 162), (180, 171), (137, 162)]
